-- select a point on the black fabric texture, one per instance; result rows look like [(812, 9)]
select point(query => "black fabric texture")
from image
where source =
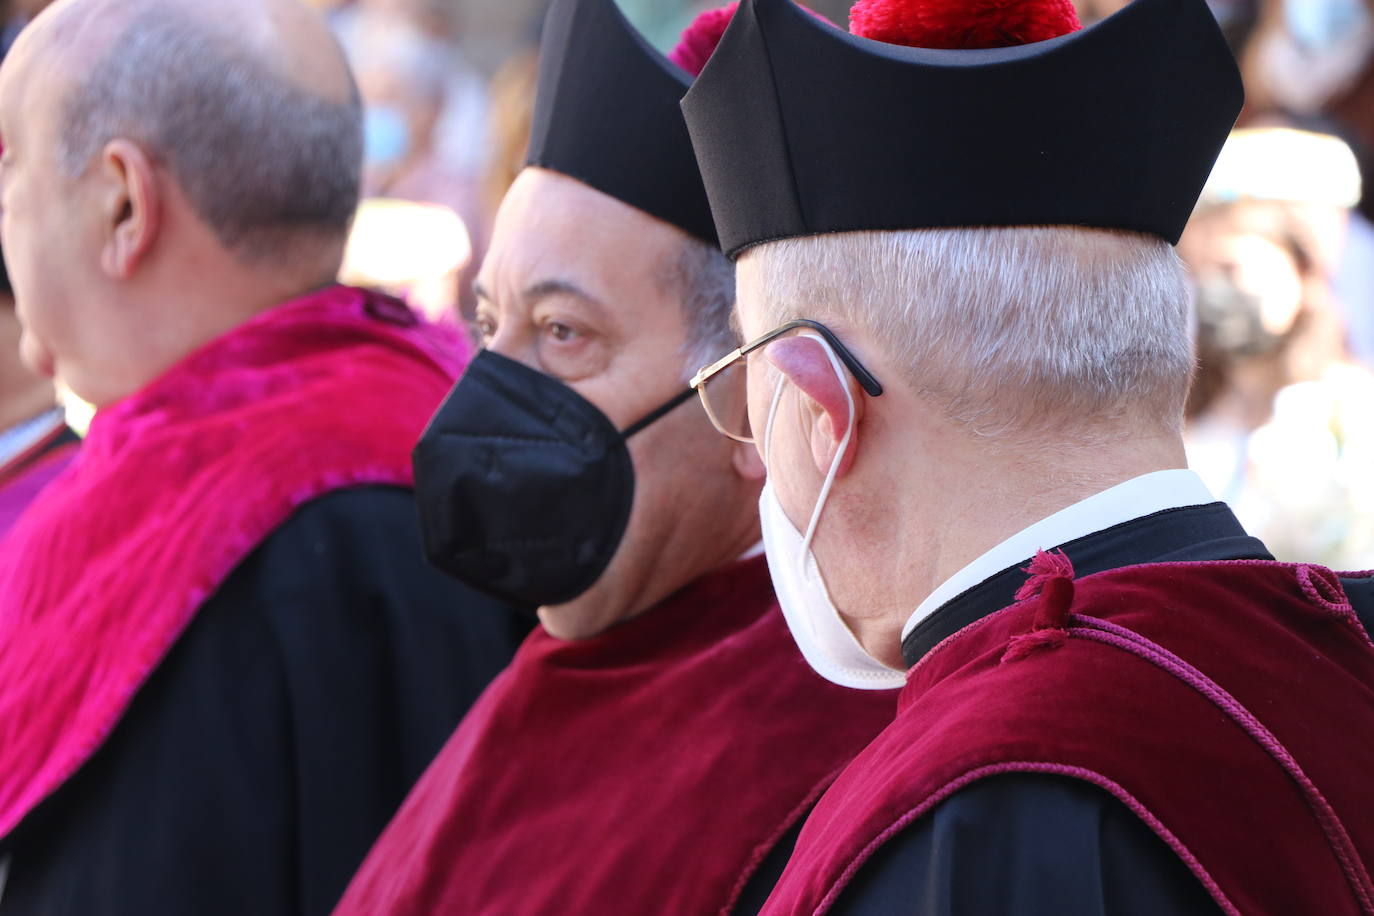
[(525, 487), (606, 113), (801, 128), (765, 877), (1026, 845), (1186, 534), (1359, 588), (259, 762)]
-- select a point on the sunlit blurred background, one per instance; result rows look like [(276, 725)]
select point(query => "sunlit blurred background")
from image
[(1281, 248)]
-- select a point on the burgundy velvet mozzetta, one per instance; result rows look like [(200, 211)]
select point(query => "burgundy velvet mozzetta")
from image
[(1228, 704), (646, 770), (173, 487)]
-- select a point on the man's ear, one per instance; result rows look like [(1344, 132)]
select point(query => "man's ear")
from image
[(747, 461), (805, 362), (131, 207)]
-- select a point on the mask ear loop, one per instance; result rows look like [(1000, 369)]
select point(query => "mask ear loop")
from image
[(772, 412), (839, 454)]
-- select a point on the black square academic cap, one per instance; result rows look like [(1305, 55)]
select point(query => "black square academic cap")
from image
[(606, 113), (801, 128)]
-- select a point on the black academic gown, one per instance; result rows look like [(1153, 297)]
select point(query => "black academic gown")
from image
[(1022, 844), (262, 758)]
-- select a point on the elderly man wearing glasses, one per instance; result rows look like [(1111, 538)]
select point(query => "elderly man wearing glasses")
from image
[(969, 352), (656, 742)]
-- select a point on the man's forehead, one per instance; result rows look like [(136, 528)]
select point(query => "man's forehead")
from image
[(554, 229), (31, 90)]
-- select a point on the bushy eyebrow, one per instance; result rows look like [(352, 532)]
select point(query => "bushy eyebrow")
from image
[(544, 289), (556, 287)]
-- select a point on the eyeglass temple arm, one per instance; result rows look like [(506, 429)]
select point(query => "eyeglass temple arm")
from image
[(871, 386)]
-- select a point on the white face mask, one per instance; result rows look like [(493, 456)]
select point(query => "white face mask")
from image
[(825, 641)]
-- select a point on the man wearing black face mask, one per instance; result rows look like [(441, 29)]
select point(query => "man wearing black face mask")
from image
[(657, 740)]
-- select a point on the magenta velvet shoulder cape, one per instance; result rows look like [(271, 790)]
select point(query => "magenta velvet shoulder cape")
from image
[(173, 487), (1228, 704), (646, 770)]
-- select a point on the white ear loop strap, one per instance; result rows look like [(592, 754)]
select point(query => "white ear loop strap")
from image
[(839, 453)]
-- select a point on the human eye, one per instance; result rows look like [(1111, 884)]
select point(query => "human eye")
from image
[(569, 347), (485, 326), (561, 331)]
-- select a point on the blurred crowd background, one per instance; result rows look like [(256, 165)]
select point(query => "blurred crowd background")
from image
[(1281, 246)]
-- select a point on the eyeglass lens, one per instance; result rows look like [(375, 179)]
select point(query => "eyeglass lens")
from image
[(724, 397)]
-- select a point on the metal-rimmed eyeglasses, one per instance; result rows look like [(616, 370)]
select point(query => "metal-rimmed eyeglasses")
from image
[(721, 384)]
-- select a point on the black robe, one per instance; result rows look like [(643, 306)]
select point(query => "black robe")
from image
[(1030, 844), (258, 763)]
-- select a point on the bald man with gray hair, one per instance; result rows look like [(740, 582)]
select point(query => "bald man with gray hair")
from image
[(225, 661)]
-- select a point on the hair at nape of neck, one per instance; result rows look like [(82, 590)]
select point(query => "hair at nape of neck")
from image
[(1012, 333)]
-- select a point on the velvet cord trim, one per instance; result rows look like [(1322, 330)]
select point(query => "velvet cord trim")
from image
[(1337, 836), (1317, 588), (761, 853), (1045, 768)]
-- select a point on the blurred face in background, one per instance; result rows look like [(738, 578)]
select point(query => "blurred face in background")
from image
[(1249, 281)]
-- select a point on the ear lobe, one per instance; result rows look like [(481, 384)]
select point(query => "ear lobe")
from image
[(131, 207), (826, 395), (747, 461)]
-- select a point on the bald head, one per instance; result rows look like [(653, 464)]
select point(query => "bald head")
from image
[(248, 103)]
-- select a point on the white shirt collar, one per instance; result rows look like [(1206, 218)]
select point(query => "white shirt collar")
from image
[(1138, 497)]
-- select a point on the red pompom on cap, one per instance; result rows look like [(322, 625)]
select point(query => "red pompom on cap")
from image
[(700, 39), (962, 24)]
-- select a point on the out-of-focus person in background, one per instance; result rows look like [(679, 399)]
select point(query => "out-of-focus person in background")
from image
[(1236, 17), (512, 111), (35, 442), (657, 741), (1311, 62), (225, 660), (1280, 419), (425, 142)]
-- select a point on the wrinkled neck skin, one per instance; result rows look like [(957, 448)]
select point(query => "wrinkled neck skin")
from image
[(925, 498)]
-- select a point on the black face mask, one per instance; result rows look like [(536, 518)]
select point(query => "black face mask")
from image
[(524, 486)]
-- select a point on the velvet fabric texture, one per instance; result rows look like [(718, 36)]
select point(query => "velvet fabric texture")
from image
[(962, 24), (1227, 704), (173, 487), (646, 770)]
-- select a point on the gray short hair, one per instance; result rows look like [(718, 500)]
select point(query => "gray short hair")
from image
[(704, 280), (1007, 330), (264, 162)]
